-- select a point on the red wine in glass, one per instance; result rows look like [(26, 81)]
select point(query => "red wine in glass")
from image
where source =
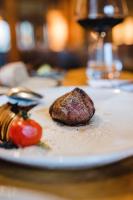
[(101, 16), (100, 24)]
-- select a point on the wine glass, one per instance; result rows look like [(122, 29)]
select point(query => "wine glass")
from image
[(101, 16)]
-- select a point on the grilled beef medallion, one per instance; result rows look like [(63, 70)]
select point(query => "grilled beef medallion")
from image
[(73, 108)]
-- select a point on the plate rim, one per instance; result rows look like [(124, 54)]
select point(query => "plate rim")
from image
[(71, 162)]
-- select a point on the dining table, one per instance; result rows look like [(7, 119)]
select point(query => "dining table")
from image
[(110, 182)]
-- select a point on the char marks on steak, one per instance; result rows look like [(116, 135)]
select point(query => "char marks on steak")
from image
[(73, 108)]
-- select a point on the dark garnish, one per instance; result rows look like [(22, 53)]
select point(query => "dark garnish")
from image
[(8, 145), (19, 110), (15, 108)]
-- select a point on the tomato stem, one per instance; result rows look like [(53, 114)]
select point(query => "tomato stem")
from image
[(24, 114)]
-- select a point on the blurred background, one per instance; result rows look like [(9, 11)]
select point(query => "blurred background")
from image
[(45, 32)]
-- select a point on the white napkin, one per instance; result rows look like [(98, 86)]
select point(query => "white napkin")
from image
[(13, 74)]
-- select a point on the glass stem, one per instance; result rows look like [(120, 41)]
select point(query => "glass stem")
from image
[(100, 48)]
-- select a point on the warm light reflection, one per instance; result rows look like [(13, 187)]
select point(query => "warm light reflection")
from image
[(57, 30), (123, 33), (93, 35)]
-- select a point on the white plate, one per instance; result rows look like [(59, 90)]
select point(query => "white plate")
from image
[(107, 139)]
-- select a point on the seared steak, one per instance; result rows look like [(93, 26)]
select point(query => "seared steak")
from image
[(73, 108)]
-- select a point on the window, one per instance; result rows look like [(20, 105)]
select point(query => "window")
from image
[(25, 35), (4, 36)]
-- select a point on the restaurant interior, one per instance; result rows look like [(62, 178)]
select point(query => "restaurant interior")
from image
[(41, 32), (47, 49)]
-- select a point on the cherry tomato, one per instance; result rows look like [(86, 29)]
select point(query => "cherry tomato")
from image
[(24, 132)]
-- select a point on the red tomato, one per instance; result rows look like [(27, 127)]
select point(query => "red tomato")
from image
[(25, 132)]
